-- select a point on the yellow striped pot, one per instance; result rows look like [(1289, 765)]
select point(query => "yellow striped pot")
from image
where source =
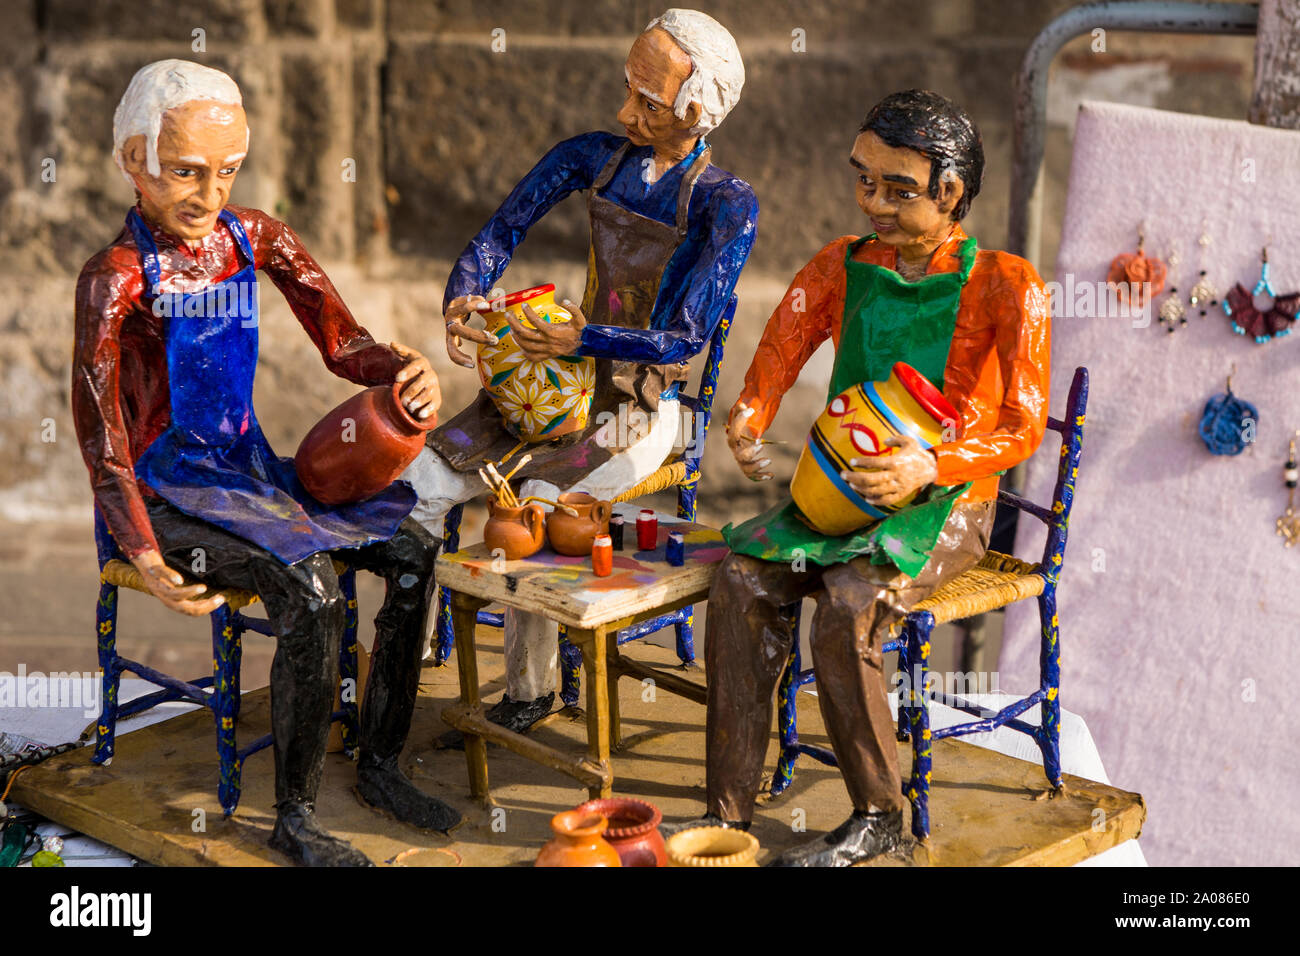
[(538, 400), (856, 424)]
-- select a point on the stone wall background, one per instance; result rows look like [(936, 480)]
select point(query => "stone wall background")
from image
[(438, 126)]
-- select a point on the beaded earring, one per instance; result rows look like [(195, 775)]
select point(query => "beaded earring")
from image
[(1288, 526), (1239, 305), (1171, 311), (1204, 294)]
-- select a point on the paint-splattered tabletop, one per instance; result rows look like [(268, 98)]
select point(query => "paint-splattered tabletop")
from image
[(566, 590)]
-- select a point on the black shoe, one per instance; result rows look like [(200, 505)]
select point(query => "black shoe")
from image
[(859, 838), (708, 820), (386, 788), (299, 835), (516, 715)]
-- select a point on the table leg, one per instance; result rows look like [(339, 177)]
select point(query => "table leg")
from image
[(596, 662), (613, 674), (464, 620)]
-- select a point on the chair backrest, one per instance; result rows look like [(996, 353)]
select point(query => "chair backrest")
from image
[(703, 403), (1057, 518)]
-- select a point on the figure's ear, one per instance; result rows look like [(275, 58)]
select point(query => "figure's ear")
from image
[(691, 118), (134, 156), (951, 189)]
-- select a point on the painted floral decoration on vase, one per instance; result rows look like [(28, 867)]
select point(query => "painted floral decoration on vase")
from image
[(539, 400)]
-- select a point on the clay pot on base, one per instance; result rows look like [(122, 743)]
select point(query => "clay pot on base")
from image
[(712, 846), (574, 536), (578, 841), (520, 532), (633, 829), (340, 462)]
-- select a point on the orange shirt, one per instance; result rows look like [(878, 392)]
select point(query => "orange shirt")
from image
[(998, 364)]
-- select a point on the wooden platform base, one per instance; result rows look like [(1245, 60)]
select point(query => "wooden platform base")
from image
[(158, 802)]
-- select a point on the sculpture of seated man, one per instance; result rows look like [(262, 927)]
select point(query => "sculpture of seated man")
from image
[(976, 324), (162, 382)]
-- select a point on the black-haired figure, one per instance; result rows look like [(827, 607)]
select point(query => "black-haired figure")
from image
[(974, 322)]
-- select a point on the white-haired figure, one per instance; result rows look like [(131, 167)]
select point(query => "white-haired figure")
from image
[(186, 486), (670, 233)]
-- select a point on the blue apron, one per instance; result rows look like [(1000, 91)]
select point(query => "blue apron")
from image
[(213, 462)]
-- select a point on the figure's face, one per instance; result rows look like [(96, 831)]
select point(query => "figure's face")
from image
[(200, 148), (655, 70), (893, 190)]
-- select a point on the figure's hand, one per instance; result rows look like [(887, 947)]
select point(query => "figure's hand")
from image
[(548, 339), (744, 444), (167, 585), (458, 310), (893, 477), (422, 395)]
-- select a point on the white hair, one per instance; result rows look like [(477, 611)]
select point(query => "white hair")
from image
[(157, 88), (717, 72)]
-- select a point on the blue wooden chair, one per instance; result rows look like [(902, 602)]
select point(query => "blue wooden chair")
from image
[(998, 580), (219, 692), (683, 473)]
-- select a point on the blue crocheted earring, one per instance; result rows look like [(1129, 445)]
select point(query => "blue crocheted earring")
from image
[(1228, 424)]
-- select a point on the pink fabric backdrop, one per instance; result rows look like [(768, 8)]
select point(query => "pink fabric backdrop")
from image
[(1178, 602)]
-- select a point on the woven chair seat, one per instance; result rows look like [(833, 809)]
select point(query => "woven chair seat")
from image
[(668, 476), (998, 580), (123, 574)]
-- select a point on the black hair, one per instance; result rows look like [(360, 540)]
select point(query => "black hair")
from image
[(939, 130)]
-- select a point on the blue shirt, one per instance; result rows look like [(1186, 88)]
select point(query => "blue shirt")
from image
[(700, 276)]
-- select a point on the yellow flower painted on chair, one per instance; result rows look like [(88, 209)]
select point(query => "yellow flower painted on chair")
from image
[(538, 400)]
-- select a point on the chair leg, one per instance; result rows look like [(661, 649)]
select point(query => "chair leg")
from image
[(916, 631), (686, 637), (787, 720), (349, 686), (106, 645), (450, 545), (224, 690), (904, 699), (570, 669), (1050, 674), (236, 662)]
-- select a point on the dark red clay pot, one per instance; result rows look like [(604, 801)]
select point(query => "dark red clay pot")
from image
[(384, 440), (633, 829)]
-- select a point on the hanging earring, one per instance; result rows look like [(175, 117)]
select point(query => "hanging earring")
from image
[(1288, 526), (1171, 312), (1134, 276), (1239, 305), (1204, 294), (1228, 424)]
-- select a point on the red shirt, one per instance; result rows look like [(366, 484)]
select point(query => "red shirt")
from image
[(120, 398)]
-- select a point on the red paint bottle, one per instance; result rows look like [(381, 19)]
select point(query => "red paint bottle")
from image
[(647, 530)]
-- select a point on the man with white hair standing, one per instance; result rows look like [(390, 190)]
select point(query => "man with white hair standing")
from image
[(162, 385), (669, 235)]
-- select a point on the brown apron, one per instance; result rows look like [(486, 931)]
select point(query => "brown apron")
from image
[(628, 255)]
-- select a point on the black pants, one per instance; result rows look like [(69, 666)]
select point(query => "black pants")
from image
[(306, 609)]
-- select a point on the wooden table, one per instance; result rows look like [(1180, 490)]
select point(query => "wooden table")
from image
[(593, 610)]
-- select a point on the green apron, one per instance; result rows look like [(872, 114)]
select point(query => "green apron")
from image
[(886, 320)]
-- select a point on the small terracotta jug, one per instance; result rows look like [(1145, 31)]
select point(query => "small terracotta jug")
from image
[(712, 846), (574, 535), (633, 829), (578, 841), (361, 447), (520, 531)]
